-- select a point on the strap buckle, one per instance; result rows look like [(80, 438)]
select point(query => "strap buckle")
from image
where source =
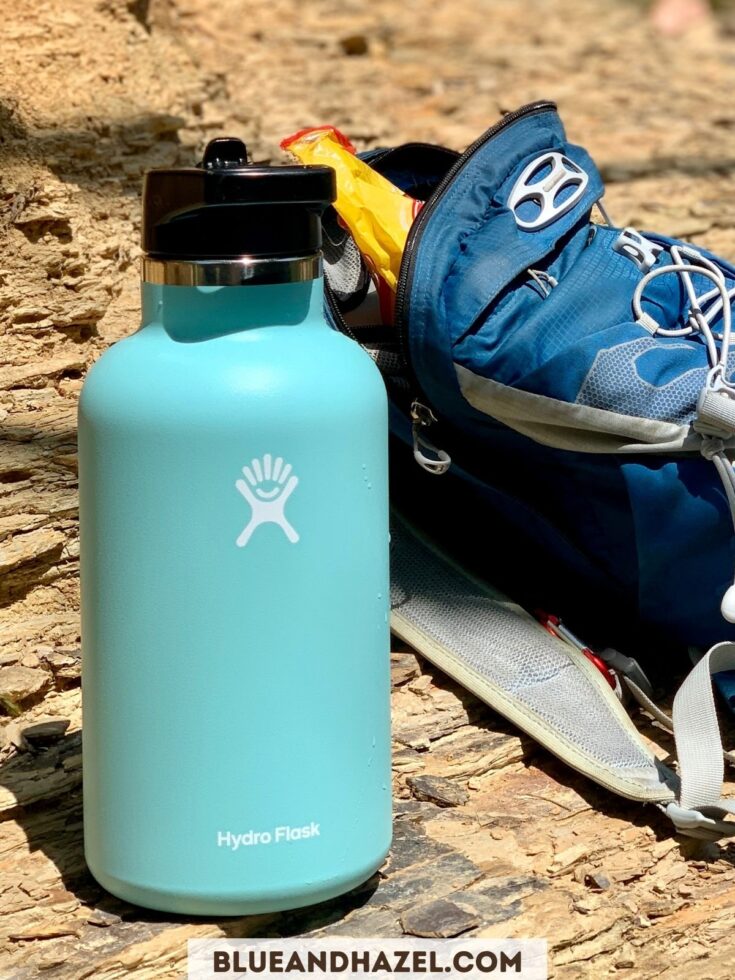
[(639, 249), (628, 667), (704, 824)]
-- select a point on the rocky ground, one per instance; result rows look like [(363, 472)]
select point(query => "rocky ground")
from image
[(492, 835)]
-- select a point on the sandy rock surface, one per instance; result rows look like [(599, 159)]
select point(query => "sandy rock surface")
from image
[(493, 837)]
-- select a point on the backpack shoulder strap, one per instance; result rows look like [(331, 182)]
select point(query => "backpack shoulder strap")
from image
[(551, 691)]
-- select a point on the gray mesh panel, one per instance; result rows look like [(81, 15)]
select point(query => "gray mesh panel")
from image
[(493, 637), (344, 268), (615, 384)]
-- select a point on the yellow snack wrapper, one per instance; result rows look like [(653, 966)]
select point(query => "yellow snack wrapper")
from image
[(377, 214)]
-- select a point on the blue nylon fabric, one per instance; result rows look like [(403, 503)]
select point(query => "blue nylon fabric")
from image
[(501, 480), (492, 250), (658, 528)]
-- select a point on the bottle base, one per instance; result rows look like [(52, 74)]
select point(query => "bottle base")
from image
[(195, 903)]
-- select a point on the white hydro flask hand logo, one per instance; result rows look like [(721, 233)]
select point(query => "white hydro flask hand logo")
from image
[(269, 485)]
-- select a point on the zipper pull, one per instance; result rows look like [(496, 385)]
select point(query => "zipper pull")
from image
[(422, 418)]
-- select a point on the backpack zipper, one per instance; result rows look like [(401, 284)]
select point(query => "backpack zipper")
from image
[(408, 262), (421, 405), (422, 414)]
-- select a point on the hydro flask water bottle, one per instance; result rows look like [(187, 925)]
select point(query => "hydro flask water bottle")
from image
[(234, 511)]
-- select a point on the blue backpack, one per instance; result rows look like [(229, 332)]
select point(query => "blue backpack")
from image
[(565, 387)]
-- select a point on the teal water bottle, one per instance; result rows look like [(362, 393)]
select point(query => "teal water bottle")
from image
[(234, 534)]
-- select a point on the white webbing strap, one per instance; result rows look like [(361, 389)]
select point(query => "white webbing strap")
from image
[(700, 810), (664, 720), (659, 715)]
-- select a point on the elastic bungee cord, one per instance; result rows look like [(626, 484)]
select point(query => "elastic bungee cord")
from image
[(716, 406)]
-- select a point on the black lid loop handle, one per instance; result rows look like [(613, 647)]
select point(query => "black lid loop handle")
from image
[(225, 153)]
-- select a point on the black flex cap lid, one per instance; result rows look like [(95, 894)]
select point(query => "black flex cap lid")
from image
[(226, 207)]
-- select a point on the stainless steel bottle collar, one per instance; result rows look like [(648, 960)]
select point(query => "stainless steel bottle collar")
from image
[(243, 271)]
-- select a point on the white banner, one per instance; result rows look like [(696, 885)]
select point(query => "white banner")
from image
[(355, 959)]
